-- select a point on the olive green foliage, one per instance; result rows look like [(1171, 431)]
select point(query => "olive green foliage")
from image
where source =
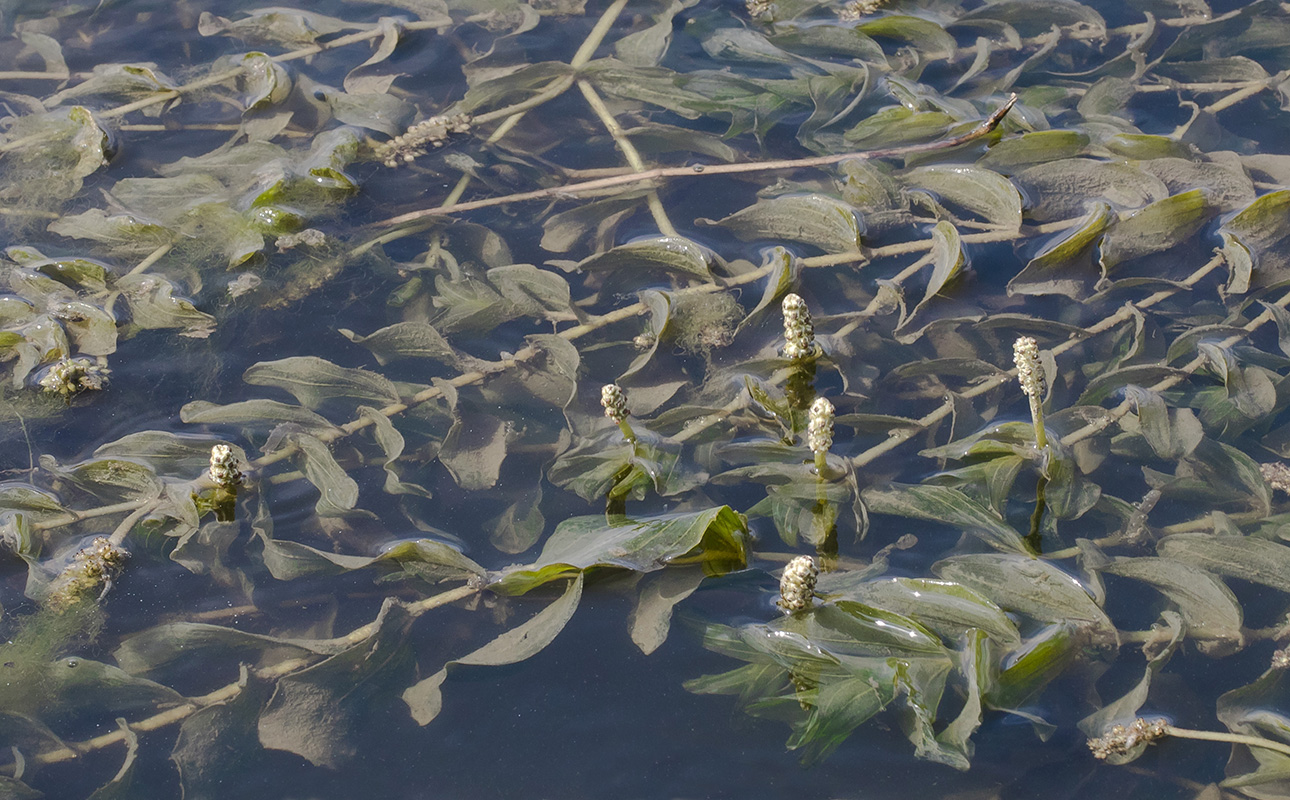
[(384, 262)]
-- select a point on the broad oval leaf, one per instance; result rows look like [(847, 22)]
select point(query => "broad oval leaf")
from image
[(314, 381), (714, 538), (813, 219), (1028, 586)]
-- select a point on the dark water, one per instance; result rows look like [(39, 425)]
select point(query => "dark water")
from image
[(590, 715)]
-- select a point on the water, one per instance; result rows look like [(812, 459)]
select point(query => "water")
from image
[(590, 714)]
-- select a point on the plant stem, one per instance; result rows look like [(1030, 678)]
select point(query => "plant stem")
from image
[(630, 153), (1229, 738), (661, 173)]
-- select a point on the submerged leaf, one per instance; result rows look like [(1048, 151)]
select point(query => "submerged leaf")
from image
[(812, 219), (425, 699)]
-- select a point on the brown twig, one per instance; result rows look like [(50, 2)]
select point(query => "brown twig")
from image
[(651, 176)]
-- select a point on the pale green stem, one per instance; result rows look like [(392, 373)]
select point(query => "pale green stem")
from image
[(629, 152), (1037, 417), (1229, 738), (626, 428)]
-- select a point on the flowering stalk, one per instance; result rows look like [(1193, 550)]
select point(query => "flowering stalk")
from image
[(614, 401), (227, 477), (799, 331), (819, 433), (797, 585), (1030, 374)]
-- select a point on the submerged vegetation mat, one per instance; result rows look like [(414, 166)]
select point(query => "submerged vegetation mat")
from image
[(949, 339)]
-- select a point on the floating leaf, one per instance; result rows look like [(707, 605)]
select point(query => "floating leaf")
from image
[(986, 194), (713, 538), (950, 609), (219, 741), (1261, 230), (1161, 225), (1028, 586), (1065, 267), (252, 413), (811, 219), (1207, 606), (665, 253), (946, 506), (338, 492), (1246, 558), (406, 340), (313, 381)]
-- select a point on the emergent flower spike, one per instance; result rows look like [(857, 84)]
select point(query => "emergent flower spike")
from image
[(797, 584), (1030, 374), (614, 400), (799, 331), (819, 431)]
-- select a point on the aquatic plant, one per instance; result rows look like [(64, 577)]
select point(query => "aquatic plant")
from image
[(952, 185)]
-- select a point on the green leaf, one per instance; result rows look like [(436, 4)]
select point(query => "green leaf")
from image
[(474, 449), (1209, 608), (948, 261), (338, 492), (664, 253), (1065, 189), (986, 194), (153, 306), (108, 478), (1035, 147), (1261, 230), (257, 413), (950, 609), (534, 292), (524, 641), (404, 340), (813, 219), (283, 26), (946, 506), (713, 538), (1246, 558), (218, 742), (899, 126), (1033, 17), (1064, 266), (659, 594), (1029, 586), (1161, 225), (313, 381)]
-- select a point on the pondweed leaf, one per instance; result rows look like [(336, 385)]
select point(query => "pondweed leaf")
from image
[(1161, 225), (256, 414), (950, 609), (1242, 557), (814, 219), (669, 254), (1208, 607), (947, 506), (1028, 586), (314, 712), (313, 381), (714, 538), (219, 740), (985, 194), (425, 699)]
